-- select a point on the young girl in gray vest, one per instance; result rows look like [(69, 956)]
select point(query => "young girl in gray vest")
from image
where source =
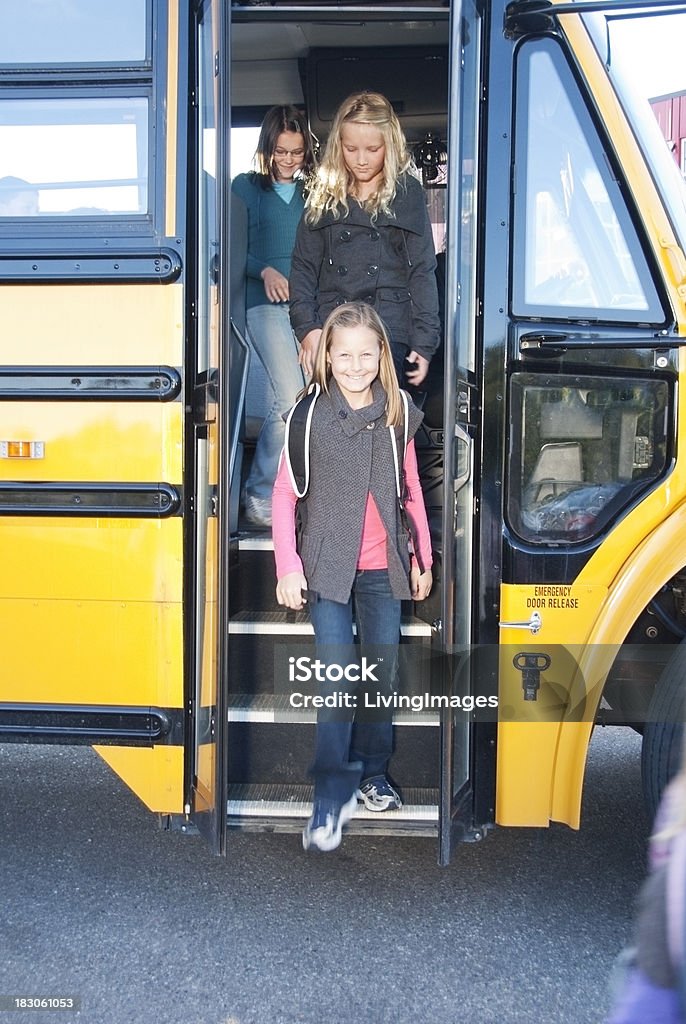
[(352, 561)]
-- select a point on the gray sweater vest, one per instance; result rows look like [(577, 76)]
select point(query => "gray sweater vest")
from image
[(350, 456)]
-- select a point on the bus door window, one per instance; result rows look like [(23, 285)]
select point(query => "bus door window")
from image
[(583, 451), (584, 444), (576, 251)]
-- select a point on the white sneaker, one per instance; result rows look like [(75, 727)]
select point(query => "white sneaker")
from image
[(378, 794), (325, 828), (258, 510)]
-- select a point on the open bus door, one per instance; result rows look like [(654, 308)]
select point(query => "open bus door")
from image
[(462, 389), (314, 56), (219, 358), (220, 367)]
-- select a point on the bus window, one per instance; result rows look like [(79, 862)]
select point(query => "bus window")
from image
[(243, 146), (577, 253), (584, 450), (78, 32), (84, 156)]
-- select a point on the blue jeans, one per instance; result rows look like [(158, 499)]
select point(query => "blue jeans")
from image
[(270, 332), (399, 354), (355, 745)]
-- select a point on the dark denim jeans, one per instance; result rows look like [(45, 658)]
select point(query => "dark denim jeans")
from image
[(355, 744)]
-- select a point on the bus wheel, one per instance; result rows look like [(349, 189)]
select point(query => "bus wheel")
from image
[(661, 751)]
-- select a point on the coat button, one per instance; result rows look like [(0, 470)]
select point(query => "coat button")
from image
[(342, 270), (372, 269), (369, 299), (370, 426), (374, 235), (345, 236)]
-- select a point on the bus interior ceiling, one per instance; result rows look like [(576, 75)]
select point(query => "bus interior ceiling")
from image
[(315, 62)]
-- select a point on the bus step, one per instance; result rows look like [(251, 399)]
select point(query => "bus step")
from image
[(264, 707), (279, 808), (283, 623)]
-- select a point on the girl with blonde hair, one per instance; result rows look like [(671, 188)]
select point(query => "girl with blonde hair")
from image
[(359, 315), (352, 561), (366, 237)]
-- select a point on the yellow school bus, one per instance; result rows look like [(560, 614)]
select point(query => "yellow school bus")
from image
[(137, 605)]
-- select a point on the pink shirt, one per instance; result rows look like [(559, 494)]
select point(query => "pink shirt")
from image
[(373, 546)]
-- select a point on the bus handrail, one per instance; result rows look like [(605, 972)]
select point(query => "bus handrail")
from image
[(236, 410)]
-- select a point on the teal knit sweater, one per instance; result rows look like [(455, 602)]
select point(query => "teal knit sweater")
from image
[(272, 225)]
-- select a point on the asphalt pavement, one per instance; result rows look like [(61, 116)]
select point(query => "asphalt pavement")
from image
[(147, 926)]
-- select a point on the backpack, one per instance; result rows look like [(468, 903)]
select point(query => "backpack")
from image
[(297, 455)]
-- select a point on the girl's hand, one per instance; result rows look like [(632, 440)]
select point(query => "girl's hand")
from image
[(420, 583), (289, 590), (275, 285), (308, 350), (417, 375)]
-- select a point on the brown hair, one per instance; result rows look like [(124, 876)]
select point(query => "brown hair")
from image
[(277, 120)]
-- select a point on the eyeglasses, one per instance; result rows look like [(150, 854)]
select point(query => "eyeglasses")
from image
[(297, 153)]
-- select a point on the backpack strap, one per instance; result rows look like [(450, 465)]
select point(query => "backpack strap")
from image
[(397, 465), (676, 912), (400, 482), (296, 447)]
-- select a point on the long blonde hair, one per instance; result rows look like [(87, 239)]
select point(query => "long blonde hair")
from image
[(332, 183), (359, 314)]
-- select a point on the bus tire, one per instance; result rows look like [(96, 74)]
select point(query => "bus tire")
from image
[(661, 751)]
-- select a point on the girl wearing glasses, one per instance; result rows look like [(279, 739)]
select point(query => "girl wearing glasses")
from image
[(273, 196)]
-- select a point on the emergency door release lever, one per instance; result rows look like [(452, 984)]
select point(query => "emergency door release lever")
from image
[(533, 624)]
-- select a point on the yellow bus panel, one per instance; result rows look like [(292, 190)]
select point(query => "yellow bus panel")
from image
[(95, 441), (155, 774), (92, 652), (92, 559), (92, 324)]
